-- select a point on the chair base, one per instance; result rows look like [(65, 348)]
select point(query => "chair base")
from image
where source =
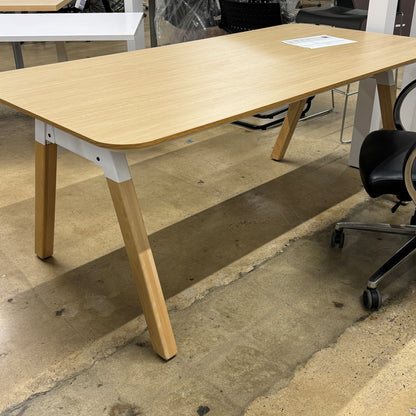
[(371, 297), (282, 113)]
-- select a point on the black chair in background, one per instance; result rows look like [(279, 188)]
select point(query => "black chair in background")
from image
[(238, 16), (343, 15), (249, 15), (352, 14), (100, 6), (387, 167)]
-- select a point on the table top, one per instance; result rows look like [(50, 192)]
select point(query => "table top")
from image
[(140, 98), (32, 5)]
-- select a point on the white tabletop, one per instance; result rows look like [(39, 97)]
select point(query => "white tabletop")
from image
[(68, 26)]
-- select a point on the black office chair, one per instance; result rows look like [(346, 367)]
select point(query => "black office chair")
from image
[(94, 6), (352, 14), (343, 15), (237, 16), (386, 167)]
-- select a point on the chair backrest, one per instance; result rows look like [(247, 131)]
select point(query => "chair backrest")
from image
[(386, 151), (361, 4), (242, 16), (403, 115), (346, 3)]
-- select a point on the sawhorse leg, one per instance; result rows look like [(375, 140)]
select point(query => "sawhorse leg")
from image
[(45, 191), (288, 127), (387, 95), (386, 88), (367, 116), (143, 266), (129, 216)]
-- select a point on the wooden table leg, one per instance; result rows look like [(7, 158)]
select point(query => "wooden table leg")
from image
[(387, 97), (45, 191), (143, 266), (286, 132)]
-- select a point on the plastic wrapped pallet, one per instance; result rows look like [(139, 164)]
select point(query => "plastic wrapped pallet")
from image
[(184, 20), (288, 8)]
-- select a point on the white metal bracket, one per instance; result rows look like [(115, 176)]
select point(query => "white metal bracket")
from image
[(385, 78), (114, 163), (367, 111)]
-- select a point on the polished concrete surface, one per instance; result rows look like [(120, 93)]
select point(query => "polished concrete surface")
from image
[(267, 316)]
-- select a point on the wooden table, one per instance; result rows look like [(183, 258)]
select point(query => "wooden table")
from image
[(192, 86)]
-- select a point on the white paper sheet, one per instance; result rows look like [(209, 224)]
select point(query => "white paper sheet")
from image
[(321, 41)]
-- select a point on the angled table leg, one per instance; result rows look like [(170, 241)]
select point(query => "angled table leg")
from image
[(45, 191), (286, 132), (386, 88), (143, 266), (129, 216), (367, 114)]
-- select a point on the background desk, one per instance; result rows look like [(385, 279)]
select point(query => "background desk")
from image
[(193, 86), (31, 6)]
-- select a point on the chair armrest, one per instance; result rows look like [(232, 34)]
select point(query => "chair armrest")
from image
[(407, 172)]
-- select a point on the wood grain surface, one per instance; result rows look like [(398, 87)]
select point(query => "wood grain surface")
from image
[(140, 98)]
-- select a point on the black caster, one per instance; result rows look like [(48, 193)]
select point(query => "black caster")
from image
[(372, 299), (337, 238)]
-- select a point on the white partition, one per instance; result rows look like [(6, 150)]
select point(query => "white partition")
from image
[(381, 18), (409, 74)]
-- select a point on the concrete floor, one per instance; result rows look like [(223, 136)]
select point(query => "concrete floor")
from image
[(267, 317)]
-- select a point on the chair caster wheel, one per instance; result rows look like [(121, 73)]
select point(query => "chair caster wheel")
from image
[(337, 238), (372, 299)]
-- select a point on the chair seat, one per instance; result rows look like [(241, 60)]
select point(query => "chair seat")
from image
[(342, 17), (381, 162)]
